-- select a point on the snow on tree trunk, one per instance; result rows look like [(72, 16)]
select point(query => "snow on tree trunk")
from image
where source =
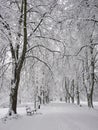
[(92, 67), (88, 80), (17, 66), (14, 89), (13, 99)]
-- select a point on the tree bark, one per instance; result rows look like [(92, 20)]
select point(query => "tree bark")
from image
[(92, 77), (77, 94), (17, 66), (72, 91), (89, 87)]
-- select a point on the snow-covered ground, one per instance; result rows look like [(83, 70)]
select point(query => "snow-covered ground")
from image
[(55, 116)]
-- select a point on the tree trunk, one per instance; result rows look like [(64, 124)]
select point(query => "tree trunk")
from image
[(67, 96), (39, 99), (92, 76), (13, 98), (72, 91), (72, 99), (89, 100), (66, 99), (91, 79), (78, 95), (17, 66)]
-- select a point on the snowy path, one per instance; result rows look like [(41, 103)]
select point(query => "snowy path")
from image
[(56, 116)]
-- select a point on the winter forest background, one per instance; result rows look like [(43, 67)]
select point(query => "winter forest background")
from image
[(48, 51)]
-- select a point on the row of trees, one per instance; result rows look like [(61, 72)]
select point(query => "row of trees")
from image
[(54, 37), (87, 25), (23, 32)]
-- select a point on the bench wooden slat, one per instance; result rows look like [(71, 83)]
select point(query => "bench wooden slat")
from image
[(30, 111)]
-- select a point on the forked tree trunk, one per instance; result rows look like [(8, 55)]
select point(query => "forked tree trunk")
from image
[(90, 77), (17, 66)]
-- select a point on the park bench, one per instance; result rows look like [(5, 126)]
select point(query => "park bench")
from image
[(30, 111)]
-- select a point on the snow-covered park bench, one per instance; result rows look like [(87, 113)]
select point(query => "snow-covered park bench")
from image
[(30, 111)]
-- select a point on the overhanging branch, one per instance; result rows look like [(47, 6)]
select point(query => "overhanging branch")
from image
[(34, 57), (42, 47)]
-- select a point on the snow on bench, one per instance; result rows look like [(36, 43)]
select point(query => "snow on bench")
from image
[(30, 111)]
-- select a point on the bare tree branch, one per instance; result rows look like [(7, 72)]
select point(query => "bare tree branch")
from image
[(43, 37), (42, 47), (34, 57)]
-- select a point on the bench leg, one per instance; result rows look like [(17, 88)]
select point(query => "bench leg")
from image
[(29, 113)]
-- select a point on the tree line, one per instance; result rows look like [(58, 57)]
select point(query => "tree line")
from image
[(56, 37)]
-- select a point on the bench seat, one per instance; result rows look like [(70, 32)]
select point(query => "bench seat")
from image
[(30, 111)]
